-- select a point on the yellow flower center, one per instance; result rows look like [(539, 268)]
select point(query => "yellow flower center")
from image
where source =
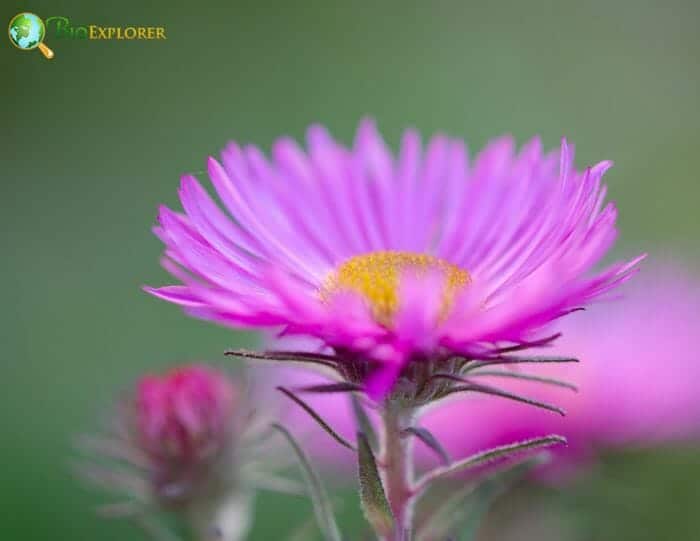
[(376, 277)]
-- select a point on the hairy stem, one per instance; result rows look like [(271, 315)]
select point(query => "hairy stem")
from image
[(397, 466)]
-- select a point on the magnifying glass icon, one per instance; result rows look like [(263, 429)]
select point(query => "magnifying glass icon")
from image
[(27, 32)]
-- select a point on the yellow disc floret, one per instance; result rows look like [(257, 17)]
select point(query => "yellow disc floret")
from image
[(376, 277)]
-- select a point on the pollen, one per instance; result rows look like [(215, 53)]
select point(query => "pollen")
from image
[(376, 277)]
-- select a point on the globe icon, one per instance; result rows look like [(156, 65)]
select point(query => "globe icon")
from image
[(27, 32)]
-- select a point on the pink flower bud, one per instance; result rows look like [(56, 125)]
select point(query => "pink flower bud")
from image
[(187, 443), (183, 422)]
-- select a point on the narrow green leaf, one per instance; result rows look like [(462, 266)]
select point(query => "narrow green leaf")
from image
[(302, 354), (319, 497), (513, 359), (491, 455), (286, 356), (470, 386), (316, 417), (372, 495), (528, 345), (524, 377), (364, 424), (329, 388), (424, 435)]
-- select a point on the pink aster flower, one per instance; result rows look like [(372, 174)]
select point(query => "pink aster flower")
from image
[(397, 263), (637, 385)]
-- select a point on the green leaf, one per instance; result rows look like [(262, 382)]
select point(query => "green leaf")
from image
[(514, 359), (528, 345), (316, 417), (424, 435), (319, 497), (490, 455), (329, 388), (372, 496), (286, 356), (524, 377), (470, 386), (364, 424)]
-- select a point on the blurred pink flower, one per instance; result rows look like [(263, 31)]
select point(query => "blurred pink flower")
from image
[(186, 442), (638, 384), (392, 259), (184, 418)]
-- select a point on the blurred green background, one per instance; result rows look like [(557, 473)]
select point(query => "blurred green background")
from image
[(96, 138)]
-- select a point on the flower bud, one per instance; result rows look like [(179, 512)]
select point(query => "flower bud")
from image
[(184, 422), (186, 442)]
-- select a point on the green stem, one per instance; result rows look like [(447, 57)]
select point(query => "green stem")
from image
[(397, 466)]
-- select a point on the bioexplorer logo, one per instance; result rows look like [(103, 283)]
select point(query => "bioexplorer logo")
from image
[(27, 32), (62, 28)]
